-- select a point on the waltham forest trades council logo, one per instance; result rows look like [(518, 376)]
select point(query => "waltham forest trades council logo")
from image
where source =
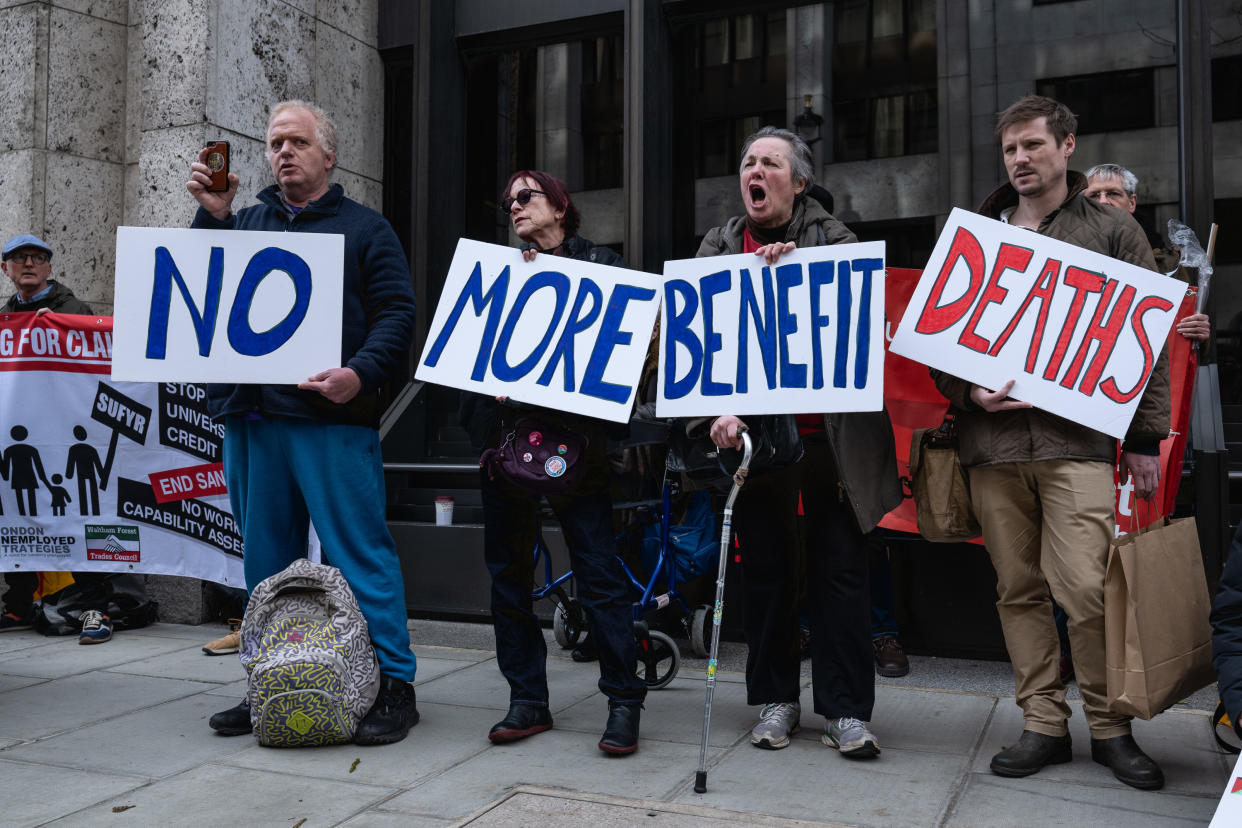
[(112, 543)]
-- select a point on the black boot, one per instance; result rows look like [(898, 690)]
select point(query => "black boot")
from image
[(1032, 752), (1123, 756), (395, 711), (232, 722), (521, 721), (621, 733)]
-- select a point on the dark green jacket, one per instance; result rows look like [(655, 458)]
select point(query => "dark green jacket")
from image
[(59, 300), (1029, 434)]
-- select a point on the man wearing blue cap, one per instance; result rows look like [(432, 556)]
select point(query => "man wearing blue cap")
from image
[(27, 260)]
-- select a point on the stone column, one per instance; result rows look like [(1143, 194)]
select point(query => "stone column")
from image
[(62, 139)]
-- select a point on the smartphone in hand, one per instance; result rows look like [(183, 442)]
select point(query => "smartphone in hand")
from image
[(216, 157)]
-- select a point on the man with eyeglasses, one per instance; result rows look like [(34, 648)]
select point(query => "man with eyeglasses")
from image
[(1114, 185), (27, 260)]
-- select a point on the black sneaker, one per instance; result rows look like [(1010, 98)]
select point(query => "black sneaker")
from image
[(232, 722), (395, 711), (96, 628)]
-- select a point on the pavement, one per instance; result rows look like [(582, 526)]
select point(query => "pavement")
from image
[(116, 735)]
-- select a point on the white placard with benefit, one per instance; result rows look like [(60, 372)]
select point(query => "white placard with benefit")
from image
[(556, 332), (1077, 331), (803, 336), (226, 305)]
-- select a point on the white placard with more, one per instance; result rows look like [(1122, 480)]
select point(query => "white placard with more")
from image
[(226, 305), (556, 332), (803, 336), (1077, 331)]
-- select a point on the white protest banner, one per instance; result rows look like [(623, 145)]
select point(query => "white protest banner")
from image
[(558, 332), (803, 337), (105, 476), (1229, 811), (226, 306), (1079, 332)]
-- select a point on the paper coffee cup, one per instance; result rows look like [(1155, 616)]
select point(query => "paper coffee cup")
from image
[(444, 511)]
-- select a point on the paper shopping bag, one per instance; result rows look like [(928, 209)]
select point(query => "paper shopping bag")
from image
[(1158, 639)]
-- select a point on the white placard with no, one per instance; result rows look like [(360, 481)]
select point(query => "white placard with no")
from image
[(226, 305), (557, 332), (804, 336), (1079, 332)]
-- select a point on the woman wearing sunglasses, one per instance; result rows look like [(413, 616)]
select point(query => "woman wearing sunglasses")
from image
[(546, 221)]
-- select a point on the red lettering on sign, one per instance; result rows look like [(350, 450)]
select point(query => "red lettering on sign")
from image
[(1042, 290), (1083, 282), (1109, 386), (1009, 257), (934, 318), (1106, 334)]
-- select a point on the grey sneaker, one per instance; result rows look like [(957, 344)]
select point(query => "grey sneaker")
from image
[(852, 737), (777, 722)]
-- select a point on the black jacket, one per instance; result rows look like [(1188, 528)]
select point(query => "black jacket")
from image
[(59, 300), (1227, 633)]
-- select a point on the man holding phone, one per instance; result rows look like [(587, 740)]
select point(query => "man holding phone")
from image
[(312, 450)]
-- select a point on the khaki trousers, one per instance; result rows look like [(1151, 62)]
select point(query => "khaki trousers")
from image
[(1047, 526)]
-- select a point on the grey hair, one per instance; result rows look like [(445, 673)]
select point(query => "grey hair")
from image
[(800, 159), (1129, 181), (325, 130)]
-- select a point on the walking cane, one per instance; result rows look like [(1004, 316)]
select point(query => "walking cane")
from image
[(739, 477)]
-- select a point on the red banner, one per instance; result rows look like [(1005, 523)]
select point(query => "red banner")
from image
[(913, 403)]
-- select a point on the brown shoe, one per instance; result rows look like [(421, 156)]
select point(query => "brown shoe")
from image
[(890, 659), (226, 644)]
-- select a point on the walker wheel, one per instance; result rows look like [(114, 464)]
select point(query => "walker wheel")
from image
[(568, 623), (658, 659), (701, 631)]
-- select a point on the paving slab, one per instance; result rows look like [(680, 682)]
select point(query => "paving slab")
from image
[(191, 632), (444, 737), (566, 809), (173, 737), (482, 685), (69, 703), (66, 657), (391, 819), (432, 668), (17, 682), (187, 663), (991, 802), (211, 795), (25, 639), (555, 758), (1180, 742), (451, 653), (809, 781), (29, 799), (920, 719), (674, 714)]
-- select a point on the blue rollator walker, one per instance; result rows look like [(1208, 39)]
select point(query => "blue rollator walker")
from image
[(739, 478), (658, 655)]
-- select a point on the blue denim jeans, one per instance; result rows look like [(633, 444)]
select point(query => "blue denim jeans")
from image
[(510, 527)]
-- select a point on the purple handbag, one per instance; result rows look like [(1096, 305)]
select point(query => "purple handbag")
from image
[(538, 457)]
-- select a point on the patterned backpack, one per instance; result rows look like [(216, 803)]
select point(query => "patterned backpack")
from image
[(305, 644)]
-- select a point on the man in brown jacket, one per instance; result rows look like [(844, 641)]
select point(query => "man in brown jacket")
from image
[(1042, 486)]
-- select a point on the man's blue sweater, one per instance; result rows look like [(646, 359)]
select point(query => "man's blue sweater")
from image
[(377, 314)]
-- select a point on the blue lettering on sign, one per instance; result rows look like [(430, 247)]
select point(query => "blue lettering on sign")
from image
[(863, 340), (819, 274), (844, 299), (559, 282), (241, 336), (161, 300), (765, 329), (677, 331), (709, 287), (610, 336), (793, 374), (493, 300), (576, 325)]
